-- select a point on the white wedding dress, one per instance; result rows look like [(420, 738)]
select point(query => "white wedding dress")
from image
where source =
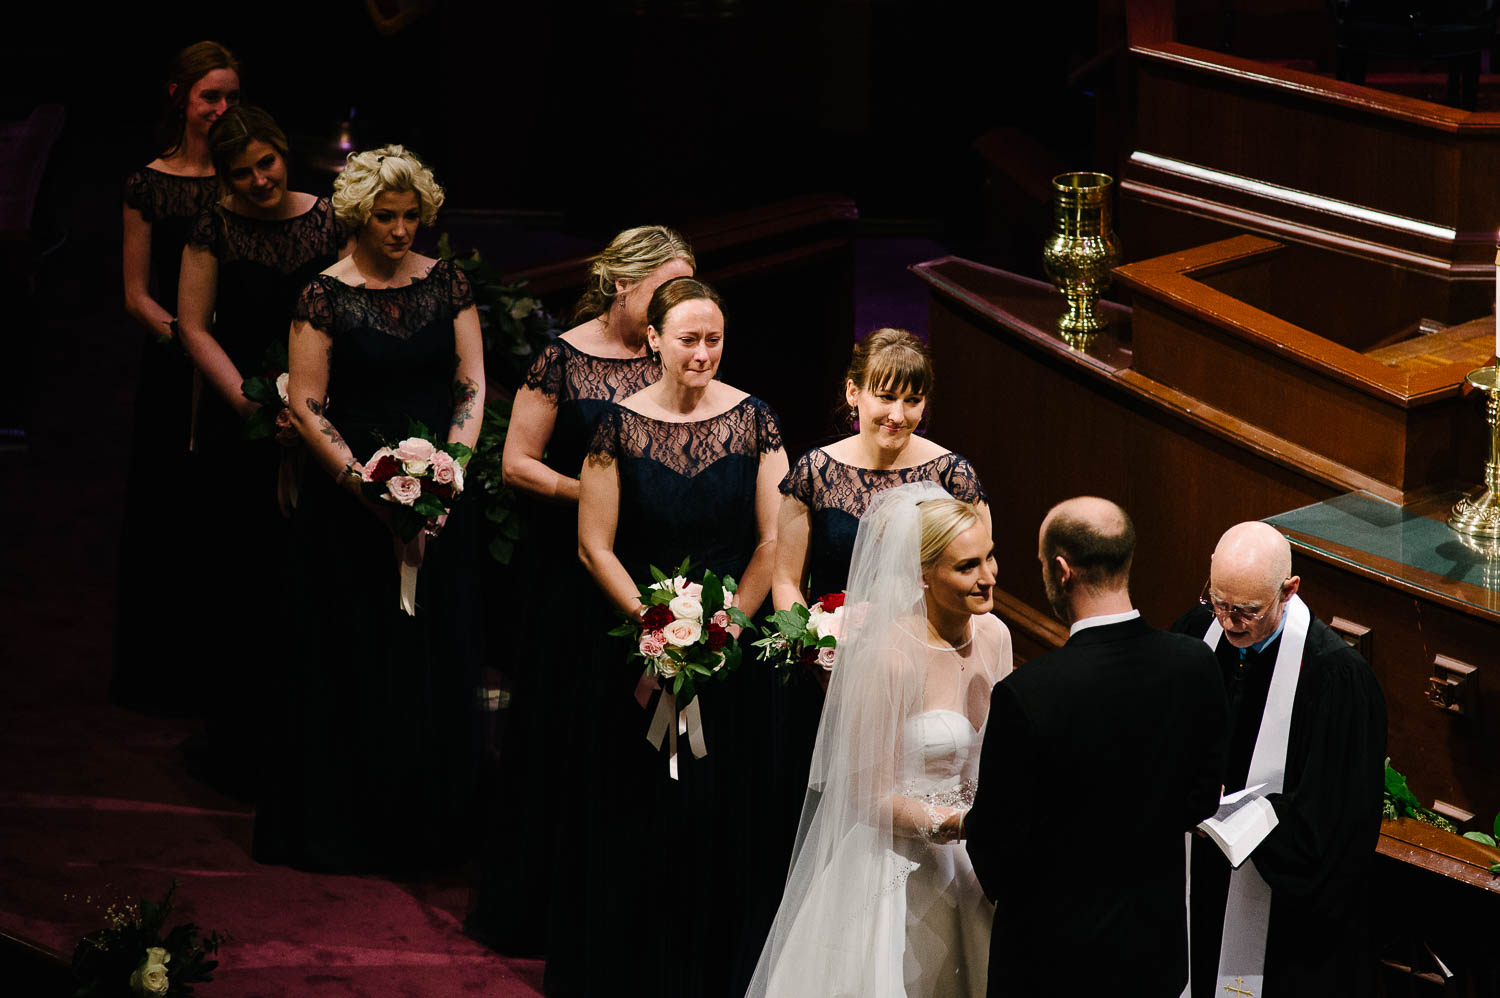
[(918, 895)]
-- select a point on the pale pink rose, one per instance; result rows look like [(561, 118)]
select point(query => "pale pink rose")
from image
[(682, 632), (458, 477), (687, 607), (415, 454), (826, 657), (721, 618), (830, 624), (281, 380), (442, 468), (374, 460), (653, 644), (403, 489), (692, 590), (728, 598)]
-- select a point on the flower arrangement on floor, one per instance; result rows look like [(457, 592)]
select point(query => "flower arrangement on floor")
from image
[(682, 634), (136, 955), (806, 638)]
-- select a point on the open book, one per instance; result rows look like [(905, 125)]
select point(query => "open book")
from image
[(1241, 823)]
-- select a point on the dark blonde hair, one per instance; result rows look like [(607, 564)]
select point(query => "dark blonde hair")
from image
[(631, 257), (188, 67), (673, 293), (890, 358), (236, 129)]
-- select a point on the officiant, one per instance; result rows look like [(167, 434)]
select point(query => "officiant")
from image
[(1307, 719)]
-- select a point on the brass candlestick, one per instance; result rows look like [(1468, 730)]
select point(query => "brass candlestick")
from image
[(1480, 515), (1080, 251)]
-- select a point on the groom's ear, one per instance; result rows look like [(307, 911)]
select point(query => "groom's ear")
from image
[(1064, 570)]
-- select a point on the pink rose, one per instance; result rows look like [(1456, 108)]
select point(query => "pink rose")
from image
[(721, 618), (403, 489), (653, 644), (682, 632), (826, 657), (442, 468), (692, 590), (415, 454)]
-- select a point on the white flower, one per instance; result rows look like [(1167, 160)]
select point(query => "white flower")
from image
[(281, 380), (666, 666), (415, 454), (150, 978), (683, 587), (827, 624), (686, 608), (682, 632)]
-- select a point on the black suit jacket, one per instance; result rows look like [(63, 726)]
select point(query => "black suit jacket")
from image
[(1097, 758)]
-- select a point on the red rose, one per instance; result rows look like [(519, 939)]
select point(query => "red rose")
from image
[(656, 617), (718, 637), (443, 492), (385, 469), (831, 601), (808, 655)]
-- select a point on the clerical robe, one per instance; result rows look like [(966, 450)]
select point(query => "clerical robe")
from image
[(1317, 860)]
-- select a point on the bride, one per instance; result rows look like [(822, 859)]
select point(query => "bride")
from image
[(881, 901)]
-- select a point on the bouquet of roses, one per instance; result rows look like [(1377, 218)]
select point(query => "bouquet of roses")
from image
[(418, 477), (806, 637), (683, 633), (683, 637), (273, 418), (138, 955)]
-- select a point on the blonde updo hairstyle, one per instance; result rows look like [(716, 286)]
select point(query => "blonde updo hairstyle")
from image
[(369, 174), (629, 258), (942, 520), (890, 358)]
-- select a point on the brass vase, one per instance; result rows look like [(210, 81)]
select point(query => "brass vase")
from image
[(1479, 515), (1081, 250)]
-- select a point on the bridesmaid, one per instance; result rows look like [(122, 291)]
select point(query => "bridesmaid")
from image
[(887, 390), (247, 257), (685, 468), (161, 200), (601, 359)]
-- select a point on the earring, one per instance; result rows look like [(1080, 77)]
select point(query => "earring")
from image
[(924, 585)]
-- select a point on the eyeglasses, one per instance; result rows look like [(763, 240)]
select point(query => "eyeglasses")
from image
[(1238, 614)]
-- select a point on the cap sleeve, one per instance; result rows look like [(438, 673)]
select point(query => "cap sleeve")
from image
[(138, 195), (460, 294), (546, 374), (315, 306), (961, 480), (768, 426), (207, 231), (798, 482), (605, 445)]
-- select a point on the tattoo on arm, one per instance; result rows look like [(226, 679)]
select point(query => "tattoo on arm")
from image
[(325, 427), (464, 394)]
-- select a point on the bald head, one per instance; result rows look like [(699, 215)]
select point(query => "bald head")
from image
[(1252, 573), (1094, 536), (1252, 554)]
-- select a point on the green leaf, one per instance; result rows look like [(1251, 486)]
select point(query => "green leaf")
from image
[(660, 597), (738, 616), (829, 641), (1497, 826), (460, 452), (502, 550), (417, 428), (791, 623), (429, 506), (1395, 785), (262, 390), (496, 514), (444, 247), (625, 630), (713, 595), (1479, 837), (1495, 868), (657, 574), (677, 682)]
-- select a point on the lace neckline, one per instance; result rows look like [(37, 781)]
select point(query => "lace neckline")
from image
[(885, 471), (686, 422), (224, 207), (181, 176), (608, 360), (389, 287)]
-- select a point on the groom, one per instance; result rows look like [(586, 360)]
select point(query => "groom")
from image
[(1097, 757)]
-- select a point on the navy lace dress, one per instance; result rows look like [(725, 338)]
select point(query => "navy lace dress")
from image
[(836, 496), (375, 743), (262, 265), (668, 884), (149, 673), (518, 908)]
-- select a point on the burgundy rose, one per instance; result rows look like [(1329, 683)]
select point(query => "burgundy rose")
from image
[(808, 655), (385, 469), (443, 492), (831, 601), (717, 637), (656, 617)]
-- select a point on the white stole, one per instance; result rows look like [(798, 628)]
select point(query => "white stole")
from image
[(1242, 953)]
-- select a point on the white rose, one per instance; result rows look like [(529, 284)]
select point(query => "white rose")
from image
[(667, 667), (281, 380), (683, 587), (150, 978), (682, 632), (830, 624), (686, 607), (458, 477)]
